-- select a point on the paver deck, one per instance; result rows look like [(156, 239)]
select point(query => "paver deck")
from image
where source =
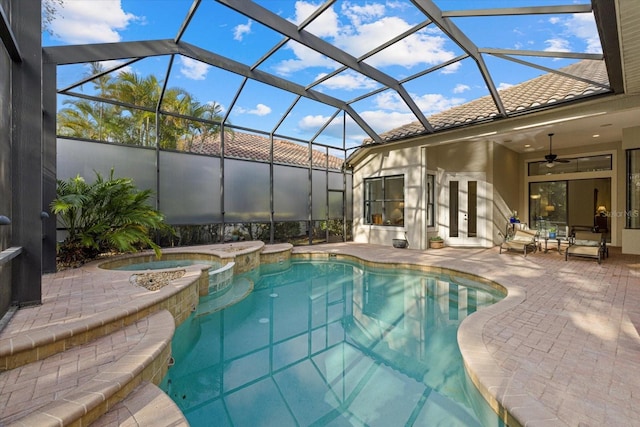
[(562, 349)]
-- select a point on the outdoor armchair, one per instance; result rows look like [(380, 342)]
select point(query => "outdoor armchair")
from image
[(586, 244), (523, 240)]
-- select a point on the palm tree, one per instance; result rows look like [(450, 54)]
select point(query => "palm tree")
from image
[(129, 125)]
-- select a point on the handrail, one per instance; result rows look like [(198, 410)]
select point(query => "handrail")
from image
[(9, 254)]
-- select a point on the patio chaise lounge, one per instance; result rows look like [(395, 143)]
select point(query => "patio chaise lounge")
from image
[(523, 240), (586, 244)]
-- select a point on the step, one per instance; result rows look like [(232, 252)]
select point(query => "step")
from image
[(80, 385), (147, 405), (32, 344)]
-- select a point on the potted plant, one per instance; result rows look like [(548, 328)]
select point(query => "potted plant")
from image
[(236, 234), (514, 219), (436, 242), (552, 232)]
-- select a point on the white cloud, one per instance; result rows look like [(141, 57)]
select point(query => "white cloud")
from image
[(366, 27), (359, 14), (452, 68), (583, 26), (383, 120), (326, 25), (192, 69), (417, 49), (379, 120), (305, 58), (312, 122), (557, 45), (429, 103), (348, 80), (259, 110), (433, 103), (82, 22), (461, 88), (240, 30), (503, 86)]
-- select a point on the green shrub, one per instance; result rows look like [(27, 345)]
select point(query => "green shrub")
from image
[(110, 215)]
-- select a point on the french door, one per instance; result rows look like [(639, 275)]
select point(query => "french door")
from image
[(463, 209)]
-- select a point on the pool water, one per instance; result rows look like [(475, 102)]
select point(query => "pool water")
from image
[(332, 344), (170, 263)]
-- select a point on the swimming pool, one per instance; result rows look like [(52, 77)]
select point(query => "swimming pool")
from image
[(332, 343)]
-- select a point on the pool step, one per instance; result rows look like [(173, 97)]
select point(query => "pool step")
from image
[(80, 385)]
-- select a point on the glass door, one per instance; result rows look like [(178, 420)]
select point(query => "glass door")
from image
[(464, 203)]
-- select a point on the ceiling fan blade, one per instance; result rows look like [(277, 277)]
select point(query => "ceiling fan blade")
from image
[(562, 160)]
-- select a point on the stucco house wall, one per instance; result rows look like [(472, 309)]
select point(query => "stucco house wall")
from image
[(387, 162), (497, 165)]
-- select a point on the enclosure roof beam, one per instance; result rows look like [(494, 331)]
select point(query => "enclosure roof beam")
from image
[(429, 8), (8, 38), (230, 65), (290, 30), (63, 55), (513, 11), (79, 54)]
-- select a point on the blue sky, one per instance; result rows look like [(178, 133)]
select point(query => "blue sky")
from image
[(352, 25)]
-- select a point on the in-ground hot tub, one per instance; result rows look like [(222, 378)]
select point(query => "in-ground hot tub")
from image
[(164, 263)]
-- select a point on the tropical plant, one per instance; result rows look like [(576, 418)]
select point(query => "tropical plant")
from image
[(335, 227), (284, 231), (109, 215)]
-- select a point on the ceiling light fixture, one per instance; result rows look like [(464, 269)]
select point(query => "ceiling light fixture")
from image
[(566, 119)]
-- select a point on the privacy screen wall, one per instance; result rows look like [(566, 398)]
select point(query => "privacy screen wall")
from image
[(189, 186)]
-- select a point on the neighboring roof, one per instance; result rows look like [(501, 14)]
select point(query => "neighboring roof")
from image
[(248, 146), (546, 90)]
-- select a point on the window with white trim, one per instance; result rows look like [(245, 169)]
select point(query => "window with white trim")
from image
[(384, 200)]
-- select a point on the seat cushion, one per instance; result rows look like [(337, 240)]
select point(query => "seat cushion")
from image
[(583, 250)]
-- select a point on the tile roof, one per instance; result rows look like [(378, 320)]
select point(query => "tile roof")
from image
[(248, 146), (539, 92)]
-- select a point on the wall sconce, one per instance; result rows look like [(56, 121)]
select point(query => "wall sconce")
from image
[(549, 208), (4, 220), (602, 210)]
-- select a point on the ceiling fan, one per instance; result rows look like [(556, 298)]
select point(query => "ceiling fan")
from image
[(551, 158)]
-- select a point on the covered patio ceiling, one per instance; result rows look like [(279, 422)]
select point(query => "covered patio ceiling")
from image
[(344, 71)]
